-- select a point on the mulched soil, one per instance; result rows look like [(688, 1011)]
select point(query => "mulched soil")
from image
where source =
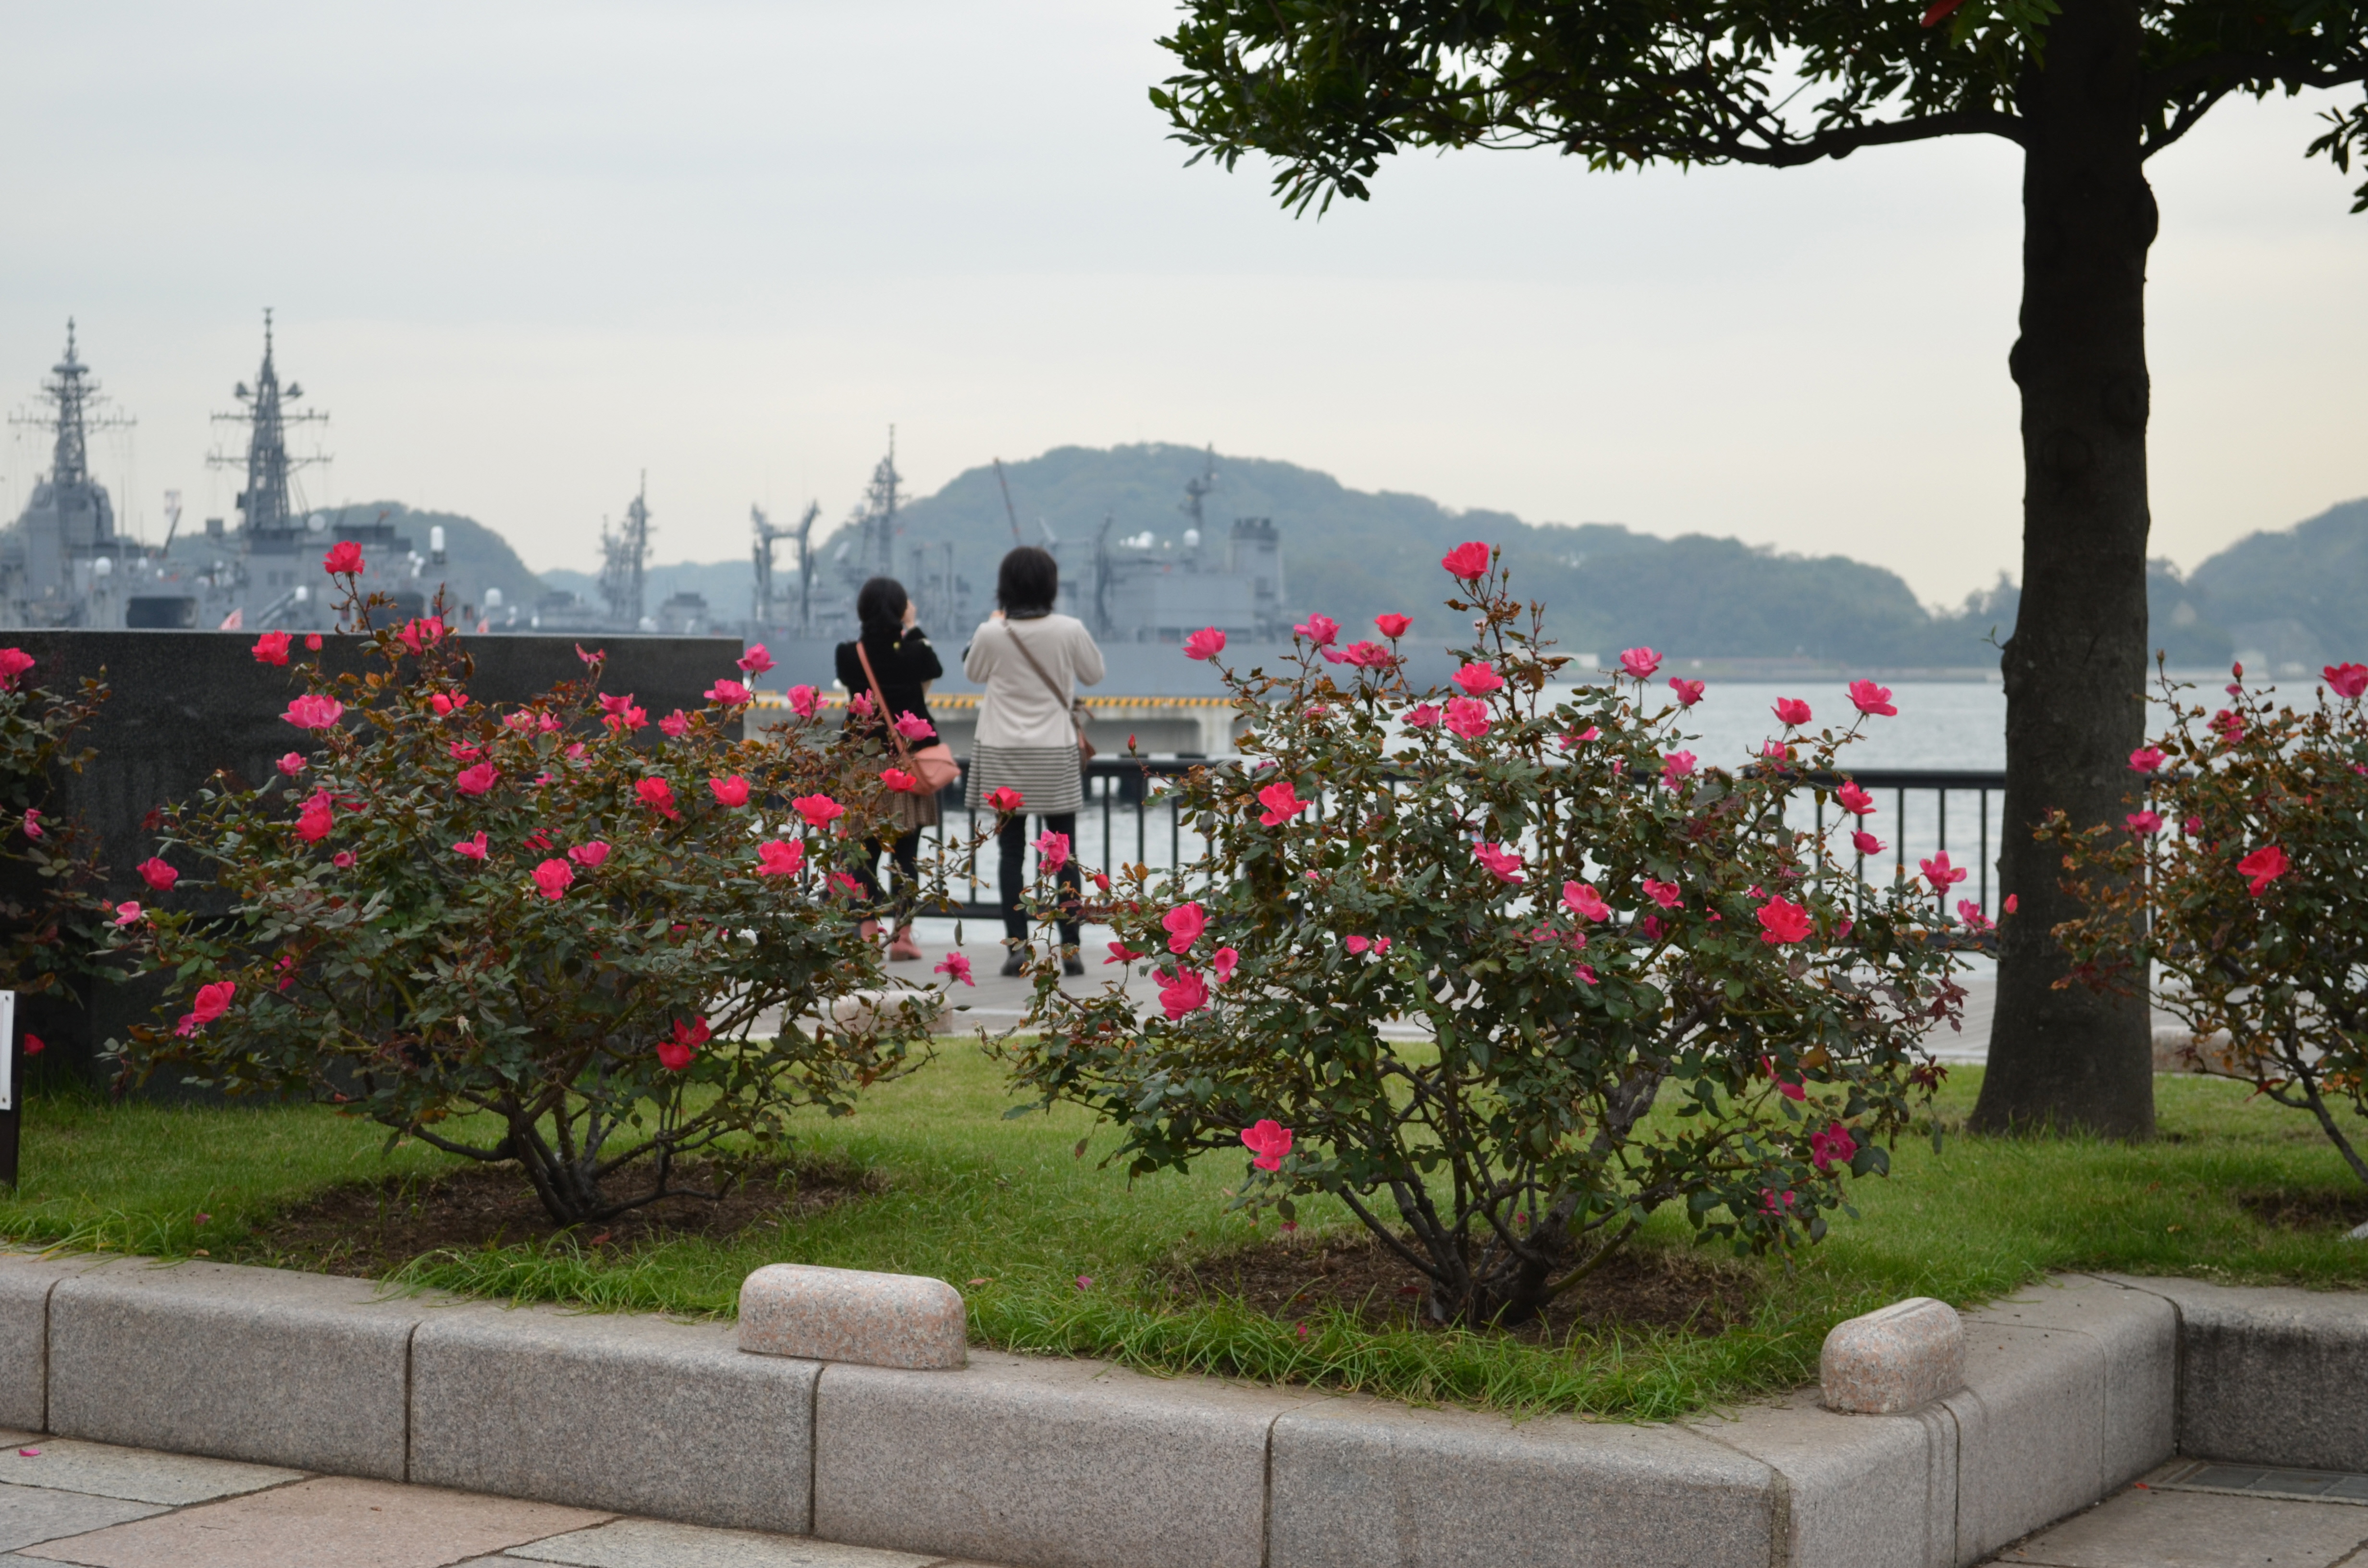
[(1638, 1289), (2313, 1208), (370, 1229)]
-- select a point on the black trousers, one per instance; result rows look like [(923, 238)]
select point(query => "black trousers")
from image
[(906, 854), (1011, 839)]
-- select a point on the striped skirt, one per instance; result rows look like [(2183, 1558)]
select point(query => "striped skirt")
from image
[(1048, 778)]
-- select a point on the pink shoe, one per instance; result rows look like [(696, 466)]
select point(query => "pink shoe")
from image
[(903, 947), (868, 931)]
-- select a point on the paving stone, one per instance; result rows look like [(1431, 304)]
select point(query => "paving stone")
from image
[(853, 1314), (1893, 1360), (1052, 1463), (2138, 1334), (633, 1413), (2277, 1375), (2145, 1528), (2031, 1436), (141, 1475), (648, 1543), (260, 1364), (1860, 1491), (30, 1514), (334, 1522), (1364, 1485)]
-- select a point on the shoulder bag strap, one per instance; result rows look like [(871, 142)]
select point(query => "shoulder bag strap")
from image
[(881, 697), (1059, 697)]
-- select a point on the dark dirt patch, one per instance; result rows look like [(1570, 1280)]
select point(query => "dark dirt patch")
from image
[(2308, 1209), (371, 1228), (1640, 1288)]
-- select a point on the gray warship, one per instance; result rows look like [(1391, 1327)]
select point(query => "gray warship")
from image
[(64, 562)]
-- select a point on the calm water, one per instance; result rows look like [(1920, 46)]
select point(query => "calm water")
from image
[(1941, 724)]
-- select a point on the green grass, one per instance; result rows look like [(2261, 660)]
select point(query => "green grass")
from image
[(1007, 1210)]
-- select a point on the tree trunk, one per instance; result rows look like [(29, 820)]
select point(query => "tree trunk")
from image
[(2075, 666)]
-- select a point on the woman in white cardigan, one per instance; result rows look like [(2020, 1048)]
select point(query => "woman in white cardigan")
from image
[(1031, 662)]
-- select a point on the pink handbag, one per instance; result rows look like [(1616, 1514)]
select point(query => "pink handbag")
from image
[(934, 765)]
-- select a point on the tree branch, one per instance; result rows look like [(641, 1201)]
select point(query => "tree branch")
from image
[(1842, 142)]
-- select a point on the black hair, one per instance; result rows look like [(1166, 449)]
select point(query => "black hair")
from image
[(880, 606), (1028, 581)]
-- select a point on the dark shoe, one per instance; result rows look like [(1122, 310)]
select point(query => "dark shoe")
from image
[(1070, 962), (1015, 963)]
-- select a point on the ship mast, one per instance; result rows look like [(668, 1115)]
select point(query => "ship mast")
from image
[(624, 559), (265, 512)]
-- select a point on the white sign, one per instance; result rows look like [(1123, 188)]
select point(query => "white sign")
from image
[(7, 1051)]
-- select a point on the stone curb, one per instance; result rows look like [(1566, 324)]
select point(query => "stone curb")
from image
[(2072, 1388)]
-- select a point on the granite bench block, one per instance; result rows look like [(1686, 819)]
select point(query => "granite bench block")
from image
[(1362, 1484), (1051, 1463), (2271, 1376), (260, 1364), (1860, 1491), (853, 1314), (638, 1414), (1892, 1360), (2138, 1336), (26, 1281)]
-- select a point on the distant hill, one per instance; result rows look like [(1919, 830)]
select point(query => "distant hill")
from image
[(2297, 597)]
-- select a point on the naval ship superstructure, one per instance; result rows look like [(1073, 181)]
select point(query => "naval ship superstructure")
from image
[(65, 564)]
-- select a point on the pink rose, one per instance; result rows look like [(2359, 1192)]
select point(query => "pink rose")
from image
[(731, 791), (272, 648), (14, 662), (899, 780), (913, 727), (292, 764), (1868, 698), (553, 878), (756, 660), (1467, 717), (1181, 993), (1677, 766), (1205, 643), (1833, 1146), (314, 713), (1478, 680), (804, 700), (1585, 901), (1184, 924), (2262, 867), (475, 848), (1392, 626), (1640, 663), (478, 779), (1270, 1142), (1793, 712), (159, 877), (1004, 801), (2145, 825), (1467, 561), (731, 693), (1868, 843), (1052, 852), (674, 725), (2349, 680), (1940, 874), (1223, 961), (1781, 920), (778, 857), (1503, 864), (658, 796), (1422, 716), (589, 853), (1688, 691), (1319, 630), (1666, 894), (955, 966), (2146, 760), (344, 560), (1281, 802), (1853, 800)]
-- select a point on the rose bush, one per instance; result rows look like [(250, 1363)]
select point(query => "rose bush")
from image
[(2237, 890), (1641, 986), (525, 932), (51, 912)]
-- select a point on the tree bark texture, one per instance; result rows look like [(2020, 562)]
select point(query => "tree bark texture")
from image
[(2075, 667)]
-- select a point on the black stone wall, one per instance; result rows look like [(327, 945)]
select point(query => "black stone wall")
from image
[(186, 704)]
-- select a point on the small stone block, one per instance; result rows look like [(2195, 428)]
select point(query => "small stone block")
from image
[(851, 1314), (1907, 1355), (865, 1012)]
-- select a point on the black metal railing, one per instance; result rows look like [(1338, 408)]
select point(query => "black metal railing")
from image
[(1125, 819)]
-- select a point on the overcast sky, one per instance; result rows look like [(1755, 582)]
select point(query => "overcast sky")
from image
[(523, 252)]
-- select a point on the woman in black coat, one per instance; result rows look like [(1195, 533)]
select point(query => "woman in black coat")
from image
[(905, 664)]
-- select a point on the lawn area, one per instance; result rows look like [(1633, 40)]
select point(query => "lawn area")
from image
[(1057, 1255)]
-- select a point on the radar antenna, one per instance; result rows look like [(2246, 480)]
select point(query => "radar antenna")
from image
[(266, 511)]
